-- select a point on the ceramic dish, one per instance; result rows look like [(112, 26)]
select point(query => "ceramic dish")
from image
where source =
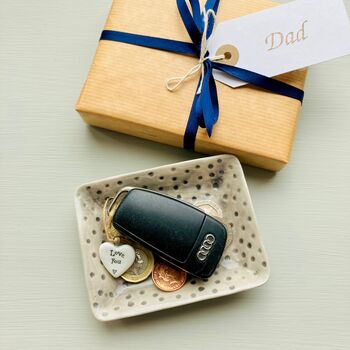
[(217, 186)]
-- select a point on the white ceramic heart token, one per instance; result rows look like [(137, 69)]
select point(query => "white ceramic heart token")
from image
[(116, 259)]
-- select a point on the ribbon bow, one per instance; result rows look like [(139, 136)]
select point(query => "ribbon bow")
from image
[(199, 25)]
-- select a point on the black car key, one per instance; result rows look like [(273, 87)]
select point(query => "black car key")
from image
[(176, 231)]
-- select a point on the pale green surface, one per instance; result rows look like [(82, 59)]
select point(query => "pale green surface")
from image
[(47, 151)]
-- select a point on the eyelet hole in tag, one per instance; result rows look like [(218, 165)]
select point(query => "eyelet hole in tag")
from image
[(231, 54)]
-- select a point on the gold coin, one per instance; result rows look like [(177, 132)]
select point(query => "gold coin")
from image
[(211, 208), (142, 266), (167, 278)]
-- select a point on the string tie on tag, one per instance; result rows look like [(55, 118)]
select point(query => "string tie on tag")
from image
[(174, 82)]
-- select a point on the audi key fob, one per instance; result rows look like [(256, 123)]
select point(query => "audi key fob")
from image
[(174, 230)]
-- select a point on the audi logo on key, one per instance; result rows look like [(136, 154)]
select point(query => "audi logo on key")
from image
[(204, 249)]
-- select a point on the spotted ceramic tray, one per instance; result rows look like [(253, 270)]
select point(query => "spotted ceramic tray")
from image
[(217, 185)]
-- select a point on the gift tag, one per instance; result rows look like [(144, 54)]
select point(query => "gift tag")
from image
[(283, 38), (116, 259)]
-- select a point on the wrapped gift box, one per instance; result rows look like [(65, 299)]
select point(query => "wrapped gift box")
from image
[(125, 89)]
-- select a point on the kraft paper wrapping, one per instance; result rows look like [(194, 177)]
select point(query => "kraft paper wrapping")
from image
[(125, 89)]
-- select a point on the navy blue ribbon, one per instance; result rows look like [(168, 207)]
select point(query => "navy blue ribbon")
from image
[(205, 107)]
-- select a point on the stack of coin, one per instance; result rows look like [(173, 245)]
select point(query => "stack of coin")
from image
[(164, 276)]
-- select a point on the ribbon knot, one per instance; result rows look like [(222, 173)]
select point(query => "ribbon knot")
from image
[(174, 82)]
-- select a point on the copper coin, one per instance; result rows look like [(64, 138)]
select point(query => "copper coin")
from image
[(167, 278)]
